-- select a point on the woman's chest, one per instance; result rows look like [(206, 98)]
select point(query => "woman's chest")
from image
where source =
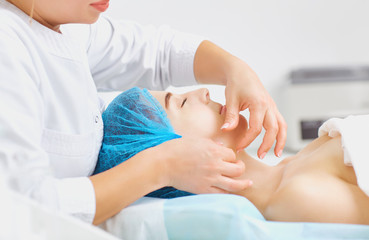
[(327, 159)]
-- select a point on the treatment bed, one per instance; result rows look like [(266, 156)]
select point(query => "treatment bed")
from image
[(216, 216)]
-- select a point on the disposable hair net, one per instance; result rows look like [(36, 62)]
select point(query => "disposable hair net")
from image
[(133, 122)]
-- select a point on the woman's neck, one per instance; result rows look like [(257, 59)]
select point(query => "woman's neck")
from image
[(266, 180)]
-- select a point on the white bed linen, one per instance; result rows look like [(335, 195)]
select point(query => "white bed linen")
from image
[(143, 219), (217, 217), (22, 218)]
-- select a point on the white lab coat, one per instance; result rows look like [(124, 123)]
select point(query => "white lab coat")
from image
[(50, 122)]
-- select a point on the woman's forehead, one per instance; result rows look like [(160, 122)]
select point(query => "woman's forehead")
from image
[(160, 96)]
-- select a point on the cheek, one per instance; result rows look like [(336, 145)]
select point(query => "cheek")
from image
[(200, 123), (85, 13)]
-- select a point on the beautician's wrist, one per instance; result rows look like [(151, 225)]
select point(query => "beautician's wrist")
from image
[(166, 155), (159, 157), (212, 64), (234, 68), (217, 66)]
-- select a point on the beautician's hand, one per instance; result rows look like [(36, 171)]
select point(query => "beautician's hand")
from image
[(202, 166), (213, 65), (245, 91)]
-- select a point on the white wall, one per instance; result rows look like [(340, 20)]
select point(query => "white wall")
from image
[(272, 36)]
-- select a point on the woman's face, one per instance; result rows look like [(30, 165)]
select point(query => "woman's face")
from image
[(53, 13), (194, 114)]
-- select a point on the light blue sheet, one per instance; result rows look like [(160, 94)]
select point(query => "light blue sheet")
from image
[(215, 216)]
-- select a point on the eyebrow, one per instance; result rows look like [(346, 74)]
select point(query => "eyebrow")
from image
[(167, 97)]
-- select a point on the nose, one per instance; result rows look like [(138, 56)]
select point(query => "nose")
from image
[(203, 95)]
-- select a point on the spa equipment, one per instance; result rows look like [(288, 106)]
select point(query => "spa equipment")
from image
[(313, 95)]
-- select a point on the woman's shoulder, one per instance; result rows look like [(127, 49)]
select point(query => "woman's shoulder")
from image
[(13, 37), (13, 26)]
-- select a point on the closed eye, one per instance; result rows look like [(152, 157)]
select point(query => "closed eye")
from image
[(184, 101)]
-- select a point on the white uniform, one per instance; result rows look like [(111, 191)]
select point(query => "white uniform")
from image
[(50, 121)]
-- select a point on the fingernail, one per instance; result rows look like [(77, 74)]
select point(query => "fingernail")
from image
[(280, 153), (262, 155), (251, 183), (225, 125), (220, 143)]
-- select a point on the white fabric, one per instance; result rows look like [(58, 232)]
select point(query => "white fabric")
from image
[(354, 131), (142, 220), (50, 123), (218, 217), (21, 218)]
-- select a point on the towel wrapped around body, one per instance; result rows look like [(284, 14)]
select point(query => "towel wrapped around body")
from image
[(354, 131)]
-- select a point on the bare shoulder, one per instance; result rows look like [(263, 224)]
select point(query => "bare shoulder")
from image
[(318, 197), (315, 144)]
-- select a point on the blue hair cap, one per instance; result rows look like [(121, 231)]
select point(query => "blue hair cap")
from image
[(133, 122)]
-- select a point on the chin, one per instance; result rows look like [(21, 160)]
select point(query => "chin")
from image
[(232, 138), (90, 18), (242, 123), (94, 18), (241, 129)]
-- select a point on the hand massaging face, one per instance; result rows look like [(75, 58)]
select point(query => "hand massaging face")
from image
[(312, 186), (135, 121), (194, 114)]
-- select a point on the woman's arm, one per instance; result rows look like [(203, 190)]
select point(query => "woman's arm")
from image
[(118, 187), (244, 90), (124, 54), (193, 165)]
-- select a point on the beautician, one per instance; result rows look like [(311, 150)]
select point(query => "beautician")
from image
[(50, 123)]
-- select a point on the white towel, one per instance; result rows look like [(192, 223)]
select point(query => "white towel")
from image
[(354, 131)]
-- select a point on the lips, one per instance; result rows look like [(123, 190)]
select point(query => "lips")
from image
[(101, 5), (222, 109)]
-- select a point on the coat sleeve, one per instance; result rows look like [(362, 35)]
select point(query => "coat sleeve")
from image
[(123, 54)]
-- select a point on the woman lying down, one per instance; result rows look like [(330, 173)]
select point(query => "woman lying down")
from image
[(315, 185)]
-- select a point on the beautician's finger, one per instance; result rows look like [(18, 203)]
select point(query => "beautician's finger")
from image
[(226, 154), (233, 169), (217, 190), (255, 126), (271, 131), (233, 110), (233, 185), (281, 136)]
